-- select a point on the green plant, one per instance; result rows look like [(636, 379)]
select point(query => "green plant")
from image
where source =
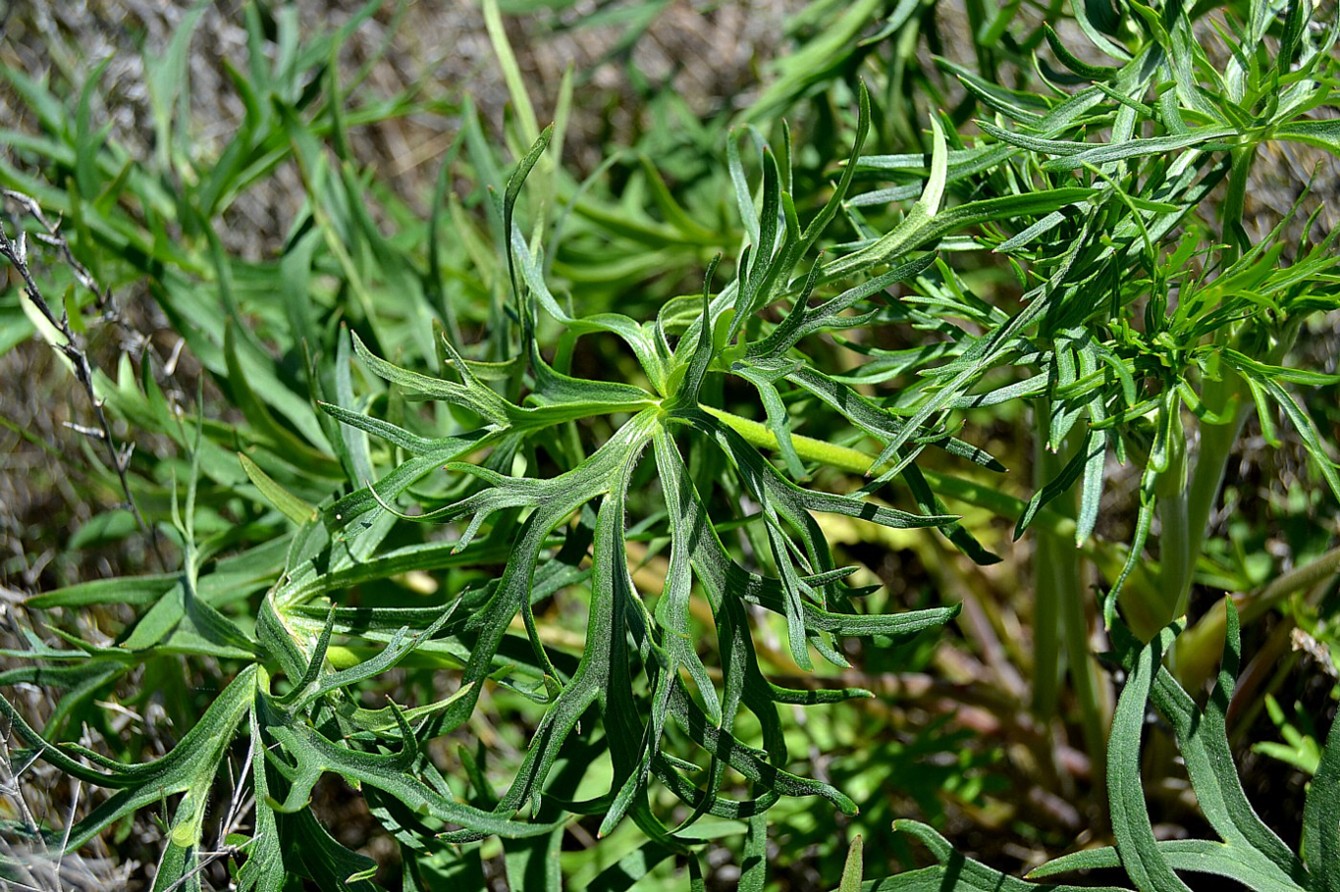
[(495, 465)]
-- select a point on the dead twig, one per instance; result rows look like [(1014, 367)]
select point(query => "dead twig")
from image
[(70, 346)]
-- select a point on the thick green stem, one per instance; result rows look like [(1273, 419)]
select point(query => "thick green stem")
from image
[(1222, 398), (1227, 408), (1216, 446)]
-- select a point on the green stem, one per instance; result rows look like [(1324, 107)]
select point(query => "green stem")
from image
[(854, 461), (1216, 446), (1223, 398), (1220, 397)]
